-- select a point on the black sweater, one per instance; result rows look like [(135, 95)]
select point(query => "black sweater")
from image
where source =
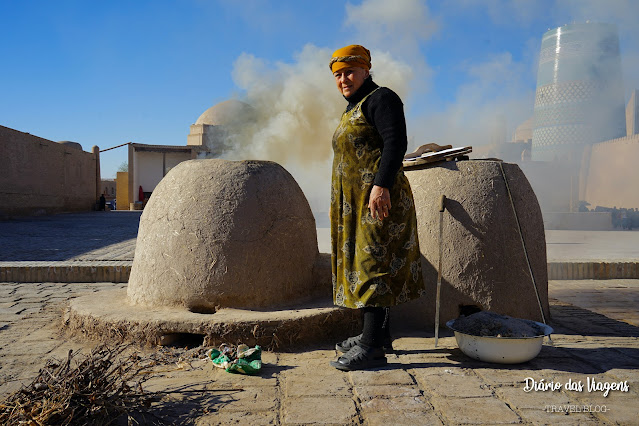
[(384, 110)]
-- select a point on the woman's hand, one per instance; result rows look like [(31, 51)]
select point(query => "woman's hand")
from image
[(379, 202)]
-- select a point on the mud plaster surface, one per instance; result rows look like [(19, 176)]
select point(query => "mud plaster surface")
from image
[(230, 234), (484, 263)]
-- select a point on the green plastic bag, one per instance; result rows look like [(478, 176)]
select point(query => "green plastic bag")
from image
[(243, 360)]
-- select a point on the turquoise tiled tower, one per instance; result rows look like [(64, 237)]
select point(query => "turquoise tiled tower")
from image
[(579, 99)]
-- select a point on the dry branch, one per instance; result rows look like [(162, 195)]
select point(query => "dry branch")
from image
[(83, 389)]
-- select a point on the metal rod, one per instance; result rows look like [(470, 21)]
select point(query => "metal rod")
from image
[(442, 206), (523, 243)]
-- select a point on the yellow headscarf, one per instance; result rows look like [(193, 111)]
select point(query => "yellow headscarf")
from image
[(350, 56)]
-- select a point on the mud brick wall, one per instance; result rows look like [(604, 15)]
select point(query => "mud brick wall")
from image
[(39, 176), (613, 177)]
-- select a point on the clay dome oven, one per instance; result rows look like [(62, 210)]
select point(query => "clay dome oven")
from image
[(225, 234)]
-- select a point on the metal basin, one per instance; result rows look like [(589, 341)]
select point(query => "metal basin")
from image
[(502, 350)]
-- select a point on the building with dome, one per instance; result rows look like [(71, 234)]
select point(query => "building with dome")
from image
[(216, 123), (523, 132), (44, 177), (148, 164)]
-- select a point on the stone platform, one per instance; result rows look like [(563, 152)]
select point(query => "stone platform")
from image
[(115, 320)]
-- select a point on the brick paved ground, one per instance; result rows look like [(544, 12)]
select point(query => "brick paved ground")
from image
[(617, 299), (111, 236), (595, 323), (67, 237), (599, 246), (421, 385)]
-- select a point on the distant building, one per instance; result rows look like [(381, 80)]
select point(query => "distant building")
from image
[(216, 123), (40, 176), (579, 99), (109, 191), (581, 147), (108, 188), (632, 114), (584, 145), (523, 132), (148, 164)]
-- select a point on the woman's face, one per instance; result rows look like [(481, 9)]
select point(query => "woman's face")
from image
[(350, 79)]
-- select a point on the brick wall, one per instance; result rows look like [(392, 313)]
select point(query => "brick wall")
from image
[(613, 176), (39, 176)]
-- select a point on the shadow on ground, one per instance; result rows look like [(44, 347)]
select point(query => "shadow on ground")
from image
[(65, 236), (573, 320), (182, 404)]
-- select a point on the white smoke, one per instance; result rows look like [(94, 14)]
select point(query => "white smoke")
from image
[(554, 13), (624, 14), (298, 107), (496, 91)]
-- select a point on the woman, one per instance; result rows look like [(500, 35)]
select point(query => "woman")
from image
[(375, 251)]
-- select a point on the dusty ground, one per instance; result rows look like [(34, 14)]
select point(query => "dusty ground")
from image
[(421, 384)]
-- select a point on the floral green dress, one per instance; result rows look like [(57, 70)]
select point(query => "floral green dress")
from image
[(374, 262)]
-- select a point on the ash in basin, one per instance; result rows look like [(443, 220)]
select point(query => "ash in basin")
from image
[(491, 324)]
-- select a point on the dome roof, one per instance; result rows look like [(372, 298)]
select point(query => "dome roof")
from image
[(71, 144), (226, 113), (523, 132)]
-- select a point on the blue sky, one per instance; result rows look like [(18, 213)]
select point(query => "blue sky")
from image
[(106, 73)]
